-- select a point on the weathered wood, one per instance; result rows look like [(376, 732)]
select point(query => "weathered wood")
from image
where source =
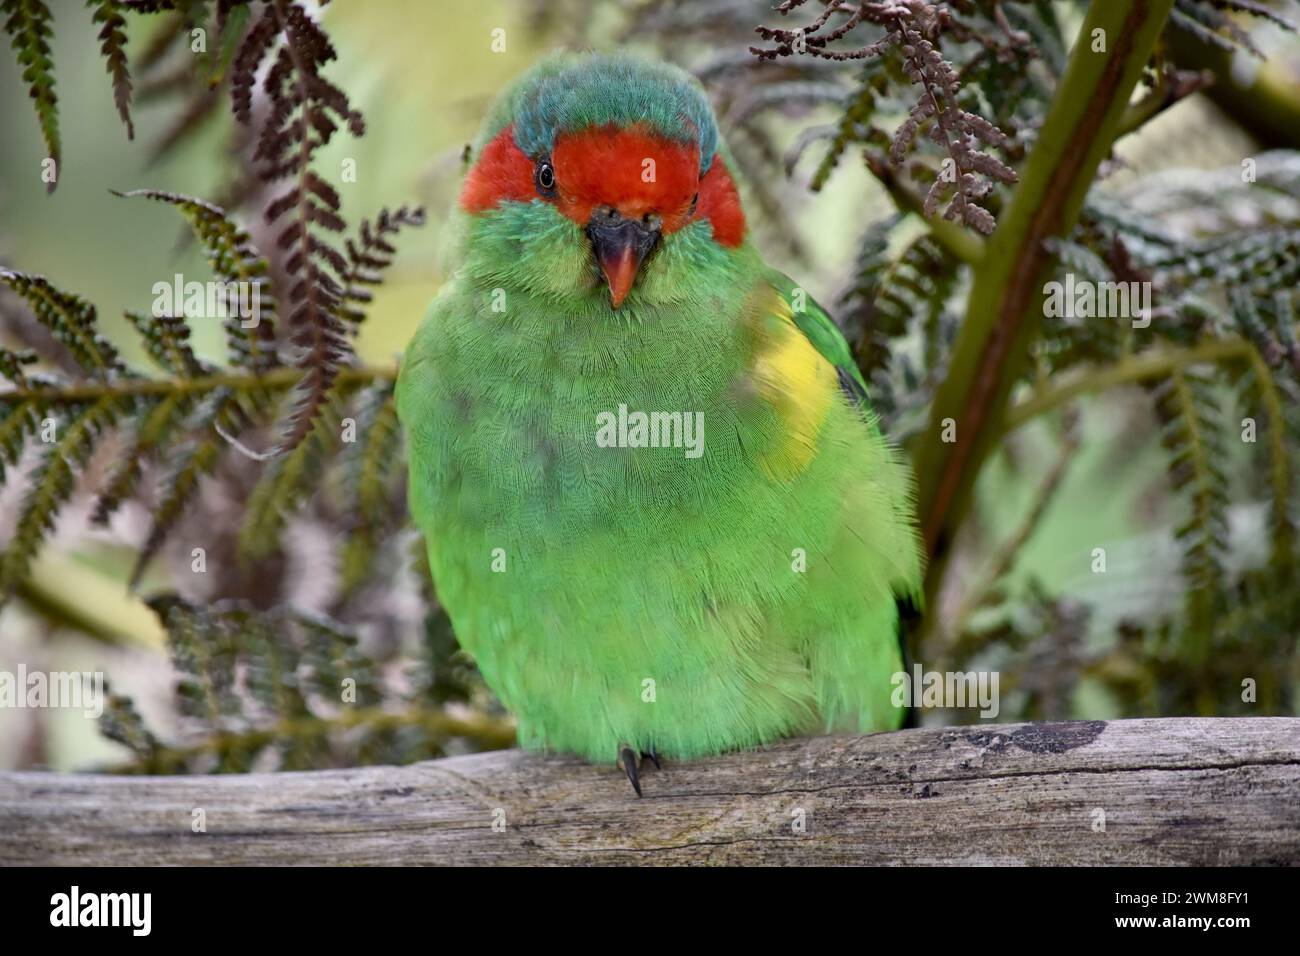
[(1205, 791)]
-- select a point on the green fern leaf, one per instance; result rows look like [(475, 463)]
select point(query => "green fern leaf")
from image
[(18, 420), (367, 485), (234, 259), (163, 418), (70, 318), (27, 22), (167, 340), (53, 483), (1190, 412), (221, 410), (288, 482)]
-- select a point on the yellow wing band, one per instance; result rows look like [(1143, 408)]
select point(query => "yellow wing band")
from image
[(795, 379)]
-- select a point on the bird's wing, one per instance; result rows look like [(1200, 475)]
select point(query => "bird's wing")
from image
[(820, 329), (802, 366), (891, 495)]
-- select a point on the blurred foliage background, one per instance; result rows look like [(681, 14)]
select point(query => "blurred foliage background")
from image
[(1020, 594)]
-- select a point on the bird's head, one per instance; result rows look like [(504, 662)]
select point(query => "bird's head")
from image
[(598, 173)]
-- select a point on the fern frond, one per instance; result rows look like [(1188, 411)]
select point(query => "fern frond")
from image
[(162, 420), (18, 421), (223, 411), (369, 256), (70, 318), (52, 484), (204, 651), (27, 22), (234, 259), (893, 296), (167, 340), (855, 124), (122, 723), (12, 365), (332, 656), (288, 482), (272, 675), (112, 45), (913, 28), (1260, 391), (1212, 21), (1191, 433), (306, 110), (278, 683), (1262, 262), (367, 481)]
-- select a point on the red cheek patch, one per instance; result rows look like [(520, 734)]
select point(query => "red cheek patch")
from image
[(502, 172), (720, 205)]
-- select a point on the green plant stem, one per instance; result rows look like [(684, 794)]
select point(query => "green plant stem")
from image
[(278, 378), (67, 593), (1125, 372), (1004, 312)]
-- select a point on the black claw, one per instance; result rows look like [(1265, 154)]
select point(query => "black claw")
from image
[(654, 757), (627, 757)]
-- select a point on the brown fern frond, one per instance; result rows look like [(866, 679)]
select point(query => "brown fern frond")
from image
[(305, 109), (369, 256), (243, 73), (112, 44), (913, 28)]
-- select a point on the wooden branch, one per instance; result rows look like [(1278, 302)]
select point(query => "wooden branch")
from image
[(1172, 791)]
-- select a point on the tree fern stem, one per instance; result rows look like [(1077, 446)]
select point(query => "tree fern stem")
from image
[(239, 381), (1138, 368), (1005, 307)]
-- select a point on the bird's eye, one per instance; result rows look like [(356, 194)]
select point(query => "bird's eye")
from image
[(544, 176)]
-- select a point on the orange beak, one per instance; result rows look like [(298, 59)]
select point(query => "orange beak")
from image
[(620, 245)]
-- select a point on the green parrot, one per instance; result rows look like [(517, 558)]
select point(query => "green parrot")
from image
[(658, 509)]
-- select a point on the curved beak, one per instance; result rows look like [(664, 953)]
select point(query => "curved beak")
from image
[(620, 245)]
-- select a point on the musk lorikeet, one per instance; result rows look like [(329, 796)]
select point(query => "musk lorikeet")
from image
[(658, 509)]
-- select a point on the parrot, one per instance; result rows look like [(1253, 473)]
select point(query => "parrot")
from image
[(658, 508)]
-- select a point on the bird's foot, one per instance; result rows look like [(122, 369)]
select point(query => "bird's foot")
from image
[(630, 760)]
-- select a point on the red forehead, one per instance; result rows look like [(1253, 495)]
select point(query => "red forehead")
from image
[(632, 170), (629, 169)]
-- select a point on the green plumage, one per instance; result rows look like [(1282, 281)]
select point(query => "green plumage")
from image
[(637, 595)]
